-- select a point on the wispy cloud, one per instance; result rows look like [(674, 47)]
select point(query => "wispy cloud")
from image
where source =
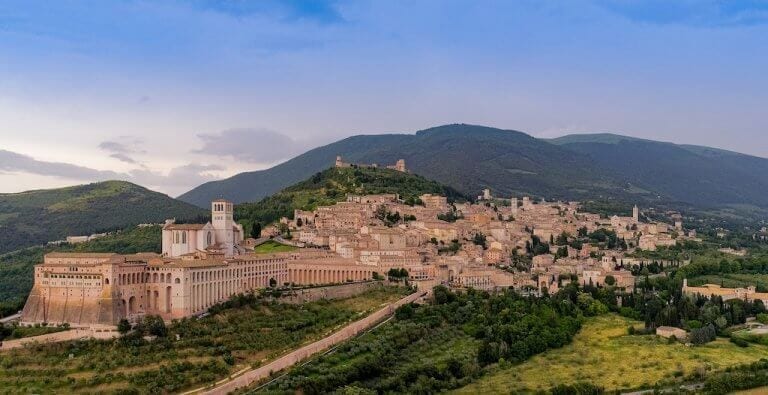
[(699, 13), (177, 180), (120, 151), (250, 145), (14, 162), (321, 11)]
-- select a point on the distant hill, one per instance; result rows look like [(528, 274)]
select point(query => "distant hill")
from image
[(332, 185), (36, 217), (702, 176), (468, 158), (576, 167)]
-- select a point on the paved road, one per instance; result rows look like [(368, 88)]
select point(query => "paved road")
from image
[(10, 318), (72, 334), (244, 378)]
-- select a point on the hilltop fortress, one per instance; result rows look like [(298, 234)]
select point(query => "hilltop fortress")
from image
[(362, 238)]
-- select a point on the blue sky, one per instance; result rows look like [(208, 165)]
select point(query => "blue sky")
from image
[(170, 94)]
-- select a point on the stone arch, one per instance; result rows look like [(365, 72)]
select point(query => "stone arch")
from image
[(132, 305), (168, 299)]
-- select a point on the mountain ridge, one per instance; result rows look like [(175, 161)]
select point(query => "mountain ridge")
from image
[(573, 167)]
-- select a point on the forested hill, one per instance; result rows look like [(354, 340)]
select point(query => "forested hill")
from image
[(702, 176), (333, 185), (465, 157), (584, 167), (36, 217)]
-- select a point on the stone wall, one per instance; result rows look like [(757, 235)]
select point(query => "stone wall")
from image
[(330, 292)]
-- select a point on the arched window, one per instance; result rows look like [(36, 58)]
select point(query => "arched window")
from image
[(177, 281), (176, 237), (184, 237), (106, 281), (209, 239)]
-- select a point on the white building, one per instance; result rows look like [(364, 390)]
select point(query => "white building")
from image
[(222, 233)]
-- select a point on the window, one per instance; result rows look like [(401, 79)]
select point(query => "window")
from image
[(184, 237), (209, 239)]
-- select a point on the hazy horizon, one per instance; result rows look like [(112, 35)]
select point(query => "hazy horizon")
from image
[(174, 93)]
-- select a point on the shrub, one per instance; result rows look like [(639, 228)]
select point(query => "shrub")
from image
[(739, 342)]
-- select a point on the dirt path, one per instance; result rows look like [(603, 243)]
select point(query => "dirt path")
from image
[(72, 334)]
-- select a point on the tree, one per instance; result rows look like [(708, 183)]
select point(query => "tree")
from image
[(610, 280), (256, 230), (123, 326), (480, 239), (154, 325)]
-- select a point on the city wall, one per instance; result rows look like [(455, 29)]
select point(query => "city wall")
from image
[(330, 292)]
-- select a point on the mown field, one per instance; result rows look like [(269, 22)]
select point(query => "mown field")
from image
[(271, 247), (602, 353), (246, 331)]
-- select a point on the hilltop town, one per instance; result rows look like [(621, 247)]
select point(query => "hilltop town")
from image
[(532, 246)]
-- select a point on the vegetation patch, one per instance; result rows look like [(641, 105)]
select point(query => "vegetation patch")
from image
[(271, 247), (603, 354), (332, 186), (187, 353)]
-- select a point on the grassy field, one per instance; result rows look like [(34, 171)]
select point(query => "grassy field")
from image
[(205, 350), (603, 354), (732, 280), (271, 247)]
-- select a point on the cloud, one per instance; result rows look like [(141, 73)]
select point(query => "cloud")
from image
[(121, 151), (15, 162), (183, 176), (697, 13), (250, 145), (177, 180)]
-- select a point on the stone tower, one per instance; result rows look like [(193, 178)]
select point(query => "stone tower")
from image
[(223, 225), (636, 214), (339, 162), (400, 165)]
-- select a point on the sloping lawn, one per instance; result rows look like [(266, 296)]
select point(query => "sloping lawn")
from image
[(603, 354)]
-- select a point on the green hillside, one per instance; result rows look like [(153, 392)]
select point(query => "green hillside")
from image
[(606, 167), (465, 157), (16, 268), (333, 185), (36, 217), (702, 176)]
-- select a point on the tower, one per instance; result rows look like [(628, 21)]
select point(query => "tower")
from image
[(223, 225), (339, 162), (636, 214)]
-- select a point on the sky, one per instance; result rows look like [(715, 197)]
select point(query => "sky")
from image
[(170, 93)]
